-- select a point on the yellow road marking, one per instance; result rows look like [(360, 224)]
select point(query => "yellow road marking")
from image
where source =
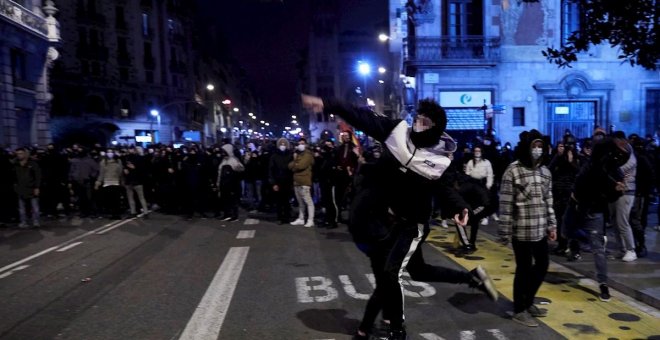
[(574, 310)]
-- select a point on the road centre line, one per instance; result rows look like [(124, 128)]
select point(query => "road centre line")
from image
[(206, 322), (121, 223), (245, 234), (8, 273), (69, 246), (63, 244)]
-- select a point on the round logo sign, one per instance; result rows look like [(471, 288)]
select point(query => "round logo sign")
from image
[(466, 99)]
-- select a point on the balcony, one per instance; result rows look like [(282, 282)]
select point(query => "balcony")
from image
[(20, 15), (24, 84), (92, 52), (451, 51)]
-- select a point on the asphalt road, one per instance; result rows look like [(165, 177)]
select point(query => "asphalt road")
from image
[(167, 278)]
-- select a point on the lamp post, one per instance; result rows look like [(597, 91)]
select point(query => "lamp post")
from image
[(156, 114), (364, 69)]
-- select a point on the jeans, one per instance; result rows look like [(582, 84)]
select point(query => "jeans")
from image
[(304, 197), (139, 189), (34, 203), (589, 227), (621, 210), (531, 266)]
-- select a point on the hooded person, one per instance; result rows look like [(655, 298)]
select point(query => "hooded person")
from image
[(228, 183), (527, 219), (402, 182), (280, 178)]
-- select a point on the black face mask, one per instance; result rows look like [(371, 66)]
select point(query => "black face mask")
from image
[(426, 138)]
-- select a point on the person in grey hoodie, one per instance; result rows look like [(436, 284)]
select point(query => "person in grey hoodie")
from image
[(620, 209), (110, 180)]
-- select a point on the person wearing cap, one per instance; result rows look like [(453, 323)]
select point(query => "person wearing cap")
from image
[(407, 174), (527, 220)]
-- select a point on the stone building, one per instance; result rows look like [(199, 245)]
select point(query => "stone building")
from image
[(126, 73), (28, 37), (471, 53)]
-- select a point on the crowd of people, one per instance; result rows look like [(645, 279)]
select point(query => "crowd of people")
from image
[(570, 192)]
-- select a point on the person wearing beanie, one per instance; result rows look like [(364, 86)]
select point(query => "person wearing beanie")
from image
[(527, 220), (390, 224)]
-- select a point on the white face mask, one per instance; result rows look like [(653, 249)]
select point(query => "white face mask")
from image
[(537, 153), (282, 148), (110, 155), (102, 153), (301, 147), (477, 155), (418, 126)]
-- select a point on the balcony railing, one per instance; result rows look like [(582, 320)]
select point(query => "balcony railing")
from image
[(24, 17), (446, 49)]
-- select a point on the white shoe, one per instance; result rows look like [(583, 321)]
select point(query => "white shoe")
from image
[(444, 224), (484, 221), (298, 222), (309, 224), (629, 256)]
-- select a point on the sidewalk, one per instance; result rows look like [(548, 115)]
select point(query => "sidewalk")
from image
[(639, 279)]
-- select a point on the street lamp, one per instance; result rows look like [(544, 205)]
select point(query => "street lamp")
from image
[(293, 116), (156, 114), (364, 69), (383, 37), (210, 87), (382, 70), (236, 109)]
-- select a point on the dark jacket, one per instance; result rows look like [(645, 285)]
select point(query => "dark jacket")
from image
[(83, 170), (410, 175), (278, 168), (137, 175), (27, 178), (596, 182)]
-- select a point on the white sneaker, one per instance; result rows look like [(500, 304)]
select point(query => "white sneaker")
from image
[(629, 256), (298, 222), (484, 221), (309, 224), (444, 224)]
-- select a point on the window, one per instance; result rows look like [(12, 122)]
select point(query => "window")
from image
[(84, 67), (570, 19), (123, 74), (463, 17), (122, 46), (91, 6), (147, 51), (145, 24), (18, 67), (149, 75), (93, 38), (82, 36), (96, 69), (120, 19), (518, 116)]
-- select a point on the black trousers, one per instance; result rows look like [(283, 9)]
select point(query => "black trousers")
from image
[(388, 255), (531, 266), (282, 199), (83, 192), (329, 202)]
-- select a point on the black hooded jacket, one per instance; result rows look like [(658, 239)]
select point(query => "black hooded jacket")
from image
[(404, 179)]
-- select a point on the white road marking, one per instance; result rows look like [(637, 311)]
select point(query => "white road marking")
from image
[(468, 335), (18, 263), (245, 234), (207, 320), (325, 284), (101, 232), (350, 289), (497, 334), (3, 275), (251, 221), (431, 336), (69, 246)]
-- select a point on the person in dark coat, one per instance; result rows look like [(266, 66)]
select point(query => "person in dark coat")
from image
[(54, 181), (83, 171), (281, 180), (645, 181), (27, 184), (193, 183)]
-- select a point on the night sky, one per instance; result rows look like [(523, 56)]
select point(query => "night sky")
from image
[(266, 38)]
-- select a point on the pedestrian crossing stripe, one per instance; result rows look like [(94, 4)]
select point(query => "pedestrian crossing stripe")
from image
[(574, 310)]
